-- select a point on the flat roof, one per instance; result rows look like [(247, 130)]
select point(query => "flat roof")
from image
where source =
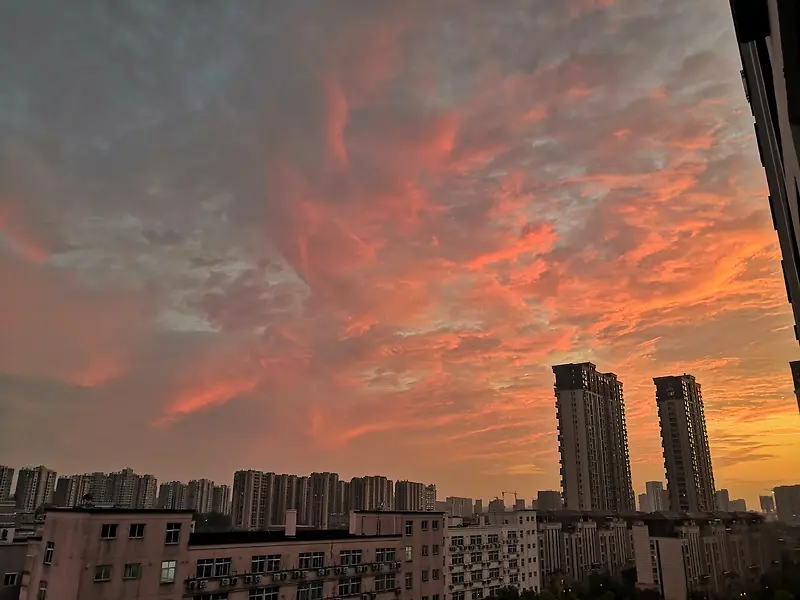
[(119, 511), (433, 513), (223, 538)]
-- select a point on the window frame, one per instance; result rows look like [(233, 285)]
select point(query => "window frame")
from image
[(108, 531), (207, 566), (172, 534), (409, 580), (409, 528), (12, 577), (103, 569), (310, 590), (348, 586), (168, 566), (134, 529), (50, 549), (264, 593), (126, 576)]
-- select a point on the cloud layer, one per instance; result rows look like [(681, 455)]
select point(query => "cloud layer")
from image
[(317, 236)]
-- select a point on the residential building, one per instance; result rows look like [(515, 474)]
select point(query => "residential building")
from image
[(483, 557), (285, 491), (767, 34), (253, 498), (645, 503), (221, 499), (98, 488), (343, 497), (795, 367), (497, 505), (478, 507), (687, 457), (6, 479), (146, 489), (303, 500), (787, 503), (767, 504), (35, 488), (409, 495), (71, 490), (122, 487), (459, 507), (429, 499), (173, 495), (200, 495), (592, 439), (658, 499), (738, 505), (548, 500), (722, 500), (12, 565), (371, 492), (574, 544), (128, 554), (677, 555), (323, 498)]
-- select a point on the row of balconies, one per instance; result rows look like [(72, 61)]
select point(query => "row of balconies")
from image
[(471, 547)]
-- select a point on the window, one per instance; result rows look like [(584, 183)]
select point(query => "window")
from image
[(168, 568), (477, 594), (494, 573), (132, 571), (173, 533), (457, 559), (312, 560), (476, 557), (409, 553), (42, 593), (494, 538), (217, 596), (349, 557), (435, 597), (102, 573), (512, 564), (266, 593), (385, 583), (273, 563), (205, 568), (457, 540), (475, 540), (458, 577), (435, 574), (409, 581), (108, 531), (222, 566), (309, 590), (48, 553), (350, 586), (494, 555), (424, 525), (425, 575), (385, 555), (458, 595), (435, 549), (512, 548), (435, 525), (424, 550), (258, 564), (409, 527), (9, 579), (513, 578), (136, 531)]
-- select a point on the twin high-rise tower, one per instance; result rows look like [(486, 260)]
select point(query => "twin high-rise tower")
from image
[(593, 441)]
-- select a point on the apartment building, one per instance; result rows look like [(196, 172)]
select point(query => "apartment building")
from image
[(199, 495), (572, 545), (409, 495), (88, 554), (71, 489), (548, 500), (35, 488), (6, 478), (676, 556), (498, 550), (687, 457), (787, 503), (767, 34), (592, 439), (429, 500), (221, 499), (459, 507), (371, 492), (172, 495)]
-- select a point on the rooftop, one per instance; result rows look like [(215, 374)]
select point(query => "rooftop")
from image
[(118, 511), (421, 513), (228, 538)]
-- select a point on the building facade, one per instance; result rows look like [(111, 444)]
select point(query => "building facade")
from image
[(592, 439), (200, 495), (548, 500), (483, 557), (409, 495), (6, 479), (93, 554), (172, 495), (687, 457), (459, 507), (787, 503), (767, 34), (35, 488), (221, 499)]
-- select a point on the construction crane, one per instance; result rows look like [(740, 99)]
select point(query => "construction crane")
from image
[(504, 496)]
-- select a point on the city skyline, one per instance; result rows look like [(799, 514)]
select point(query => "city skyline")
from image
[(357, 243)]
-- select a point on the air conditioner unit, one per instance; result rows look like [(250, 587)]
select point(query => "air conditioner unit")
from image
[(320, 572), (201, 584), (234, 580), (192, 583), (225, 582), (248, 579), (375, 567), (256, 578), (364, 596), (303, 574)]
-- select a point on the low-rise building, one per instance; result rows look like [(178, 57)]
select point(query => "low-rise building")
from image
[(90, 553)]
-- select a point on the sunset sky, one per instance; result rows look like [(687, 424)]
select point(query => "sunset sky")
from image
[(354, 236)]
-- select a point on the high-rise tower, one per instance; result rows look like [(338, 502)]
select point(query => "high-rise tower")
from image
[(687, 458), (592, 439)]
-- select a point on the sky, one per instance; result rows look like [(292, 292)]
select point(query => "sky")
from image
[(355, 236)]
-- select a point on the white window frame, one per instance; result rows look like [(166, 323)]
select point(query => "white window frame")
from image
[(169, 571), (273, 563), (310, 590), (103, 573), (222, 566), (10, 579), (108, 531), (264, 593), (350, 557), (349, 586), (172, 535), (49, 550), (136, 531), (126, 573)]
